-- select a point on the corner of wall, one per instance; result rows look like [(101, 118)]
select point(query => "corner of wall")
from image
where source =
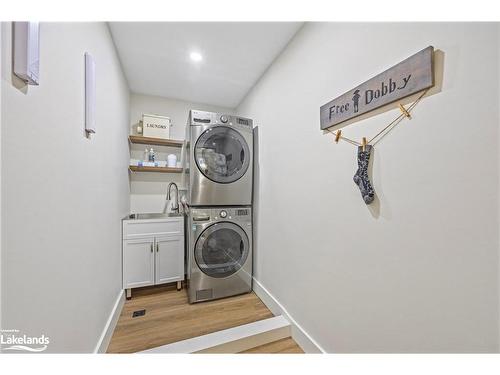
[(125, 78), (109, 328), (1, 80), (306, 342), (498, 182)]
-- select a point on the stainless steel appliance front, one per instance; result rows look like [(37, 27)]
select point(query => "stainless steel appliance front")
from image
[(219, 252), (219, 159)]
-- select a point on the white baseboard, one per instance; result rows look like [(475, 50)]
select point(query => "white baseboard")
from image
[(107, 333), (301, 337), (231, 340)]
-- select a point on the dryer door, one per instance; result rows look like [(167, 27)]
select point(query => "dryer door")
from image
[(221, 249), (222, 154)]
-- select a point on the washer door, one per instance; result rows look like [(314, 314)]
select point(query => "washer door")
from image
[(221, 249), (222, 154)]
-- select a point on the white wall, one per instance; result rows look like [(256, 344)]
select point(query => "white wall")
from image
[(148, 190), (63, 194), (1, 80), (418, 270), (498, 57)]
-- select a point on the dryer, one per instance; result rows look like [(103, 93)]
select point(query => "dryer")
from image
[(219, 252), (219, 159)]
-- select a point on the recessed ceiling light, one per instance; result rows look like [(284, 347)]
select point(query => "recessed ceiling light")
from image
[(195, 56)]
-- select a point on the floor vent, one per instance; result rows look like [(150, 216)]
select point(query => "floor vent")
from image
[(137, 313)]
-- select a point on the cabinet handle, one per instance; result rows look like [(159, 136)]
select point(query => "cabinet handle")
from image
[(151, 247), (157, 247)]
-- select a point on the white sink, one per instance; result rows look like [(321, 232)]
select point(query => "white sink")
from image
[(154, 215)]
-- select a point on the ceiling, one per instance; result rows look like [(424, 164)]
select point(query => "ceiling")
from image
[(156, 57)]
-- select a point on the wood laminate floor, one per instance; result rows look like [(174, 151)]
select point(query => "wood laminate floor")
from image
[(283, 346), (170, 318)]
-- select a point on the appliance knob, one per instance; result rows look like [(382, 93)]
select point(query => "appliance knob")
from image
[(223, 119), (223, 214)]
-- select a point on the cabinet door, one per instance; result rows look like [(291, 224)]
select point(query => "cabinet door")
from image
[(138, 263), (169, 259)]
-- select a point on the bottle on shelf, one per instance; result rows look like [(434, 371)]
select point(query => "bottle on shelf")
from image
[(151, 156)]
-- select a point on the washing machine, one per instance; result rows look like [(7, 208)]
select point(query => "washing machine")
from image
[(219, 159), (219, 252)]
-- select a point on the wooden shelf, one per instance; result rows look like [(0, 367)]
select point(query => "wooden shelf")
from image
[(139, 139), (135, 168)]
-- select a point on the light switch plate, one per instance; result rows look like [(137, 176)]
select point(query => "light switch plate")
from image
[(90, 99)]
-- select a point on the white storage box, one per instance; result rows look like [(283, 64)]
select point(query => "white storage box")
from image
[(156, 126)]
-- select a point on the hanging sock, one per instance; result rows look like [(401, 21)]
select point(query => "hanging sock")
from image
[(361, 177)]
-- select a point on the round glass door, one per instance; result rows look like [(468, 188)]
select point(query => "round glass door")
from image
[(221, 249), (222, 154)]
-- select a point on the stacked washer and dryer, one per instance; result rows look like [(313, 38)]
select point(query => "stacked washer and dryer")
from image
[(219, 181)]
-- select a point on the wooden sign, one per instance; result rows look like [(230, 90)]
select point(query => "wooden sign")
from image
[(404, 79)]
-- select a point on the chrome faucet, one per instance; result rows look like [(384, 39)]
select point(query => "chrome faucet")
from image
[(175, 204)]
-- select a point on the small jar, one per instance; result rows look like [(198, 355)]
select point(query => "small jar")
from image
[(172, 160)]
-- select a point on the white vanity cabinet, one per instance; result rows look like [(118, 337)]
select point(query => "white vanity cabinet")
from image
[(169, 259), (153, 252), (138, 263)]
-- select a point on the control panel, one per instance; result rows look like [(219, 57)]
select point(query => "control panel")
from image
[(204, 215), (212, 118)]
